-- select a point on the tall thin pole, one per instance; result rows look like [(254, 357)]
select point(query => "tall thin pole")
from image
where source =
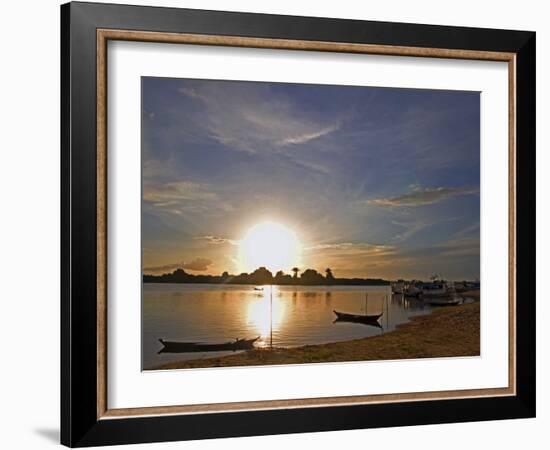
[(387, 312), (271, 316)]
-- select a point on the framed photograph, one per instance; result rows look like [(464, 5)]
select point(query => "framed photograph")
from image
[(276, 224)]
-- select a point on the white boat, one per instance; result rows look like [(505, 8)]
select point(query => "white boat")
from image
[(397, 287), (435, 289), (412, 290)]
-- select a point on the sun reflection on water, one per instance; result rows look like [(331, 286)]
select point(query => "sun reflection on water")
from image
[(266, 313)]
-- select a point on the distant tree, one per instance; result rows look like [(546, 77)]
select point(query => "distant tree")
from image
[(287, 279), (282, 278), (242, 278), (180, 276), (311, 277), (261, 276), (329, 276), (264, 276)]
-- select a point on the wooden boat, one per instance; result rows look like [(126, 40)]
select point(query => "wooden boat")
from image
[(185, 347), (359, 318), (369, 323), (367, 319), (444, 301)]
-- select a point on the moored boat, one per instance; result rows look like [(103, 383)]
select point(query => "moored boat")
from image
[(397, 287), (362, 318), (445, 301), (413, 289), (435, 289)]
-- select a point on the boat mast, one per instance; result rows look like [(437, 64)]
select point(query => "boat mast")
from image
[(271, 317), (387, 312)]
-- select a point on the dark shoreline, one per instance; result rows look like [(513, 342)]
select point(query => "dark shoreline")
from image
[(451, 331), (262, 276), (208, 279)]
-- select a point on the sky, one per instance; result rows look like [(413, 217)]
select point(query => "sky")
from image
[(374, 182)]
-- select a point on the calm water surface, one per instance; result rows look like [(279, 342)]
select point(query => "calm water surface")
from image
[(284, 317)]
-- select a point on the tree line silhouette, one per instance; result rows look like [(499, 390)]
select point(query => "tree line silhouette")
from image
[(262, 276)]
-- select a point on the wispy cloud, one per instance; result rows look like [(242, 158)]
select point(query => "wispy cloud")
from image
[(217, 240), (349, 258), (190, 92), (423, 196), (300, 139), (197, 265), (178, 196), (460, 247), (350, 248), (468, 230), (177, 190), (251, 120), (409, 229)]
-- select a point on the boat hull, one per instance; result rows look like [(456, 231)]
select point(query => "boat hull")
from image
[(188, 347), (444, 302), (437, 294), (359, 318)]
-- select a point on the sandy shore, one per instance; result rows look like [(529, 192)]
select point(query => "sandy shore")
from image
[(447, 331)]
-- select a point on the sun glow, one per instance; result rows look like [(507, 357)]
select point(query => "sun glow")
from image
[(270, 245)]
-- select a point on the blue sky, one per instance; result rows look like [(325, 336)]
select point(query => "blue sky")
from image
[(375, 182)]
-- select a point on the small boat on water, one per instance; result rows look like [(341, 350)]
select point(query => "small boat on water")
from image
[(258, 289), (185, 347), (397, 287), (368, 319), (359, 318), (434, 289), (413, 289)]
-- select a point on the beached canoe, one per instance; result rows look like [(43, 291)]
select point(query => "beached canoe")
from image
[(184, 347), (444, 301)]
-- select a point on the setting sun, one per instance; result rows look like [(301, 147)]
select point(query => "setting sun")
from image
[(270, 245)]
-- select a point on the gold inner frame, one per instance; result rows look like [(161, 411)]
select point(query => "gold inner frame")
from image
[(104, 35)]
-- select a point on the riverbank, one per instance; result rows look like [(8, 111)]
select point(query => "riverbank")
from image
[(446, 332)]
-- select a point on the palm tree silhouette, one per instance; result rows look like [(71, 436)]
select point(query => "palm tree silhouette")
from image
[(295, 270)]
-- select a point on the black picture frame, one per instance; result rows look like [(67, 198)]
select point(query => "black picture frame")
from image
[(80, 425)]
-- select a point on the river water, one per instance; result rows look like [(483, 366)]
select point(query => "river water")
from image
[(282, 316)]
